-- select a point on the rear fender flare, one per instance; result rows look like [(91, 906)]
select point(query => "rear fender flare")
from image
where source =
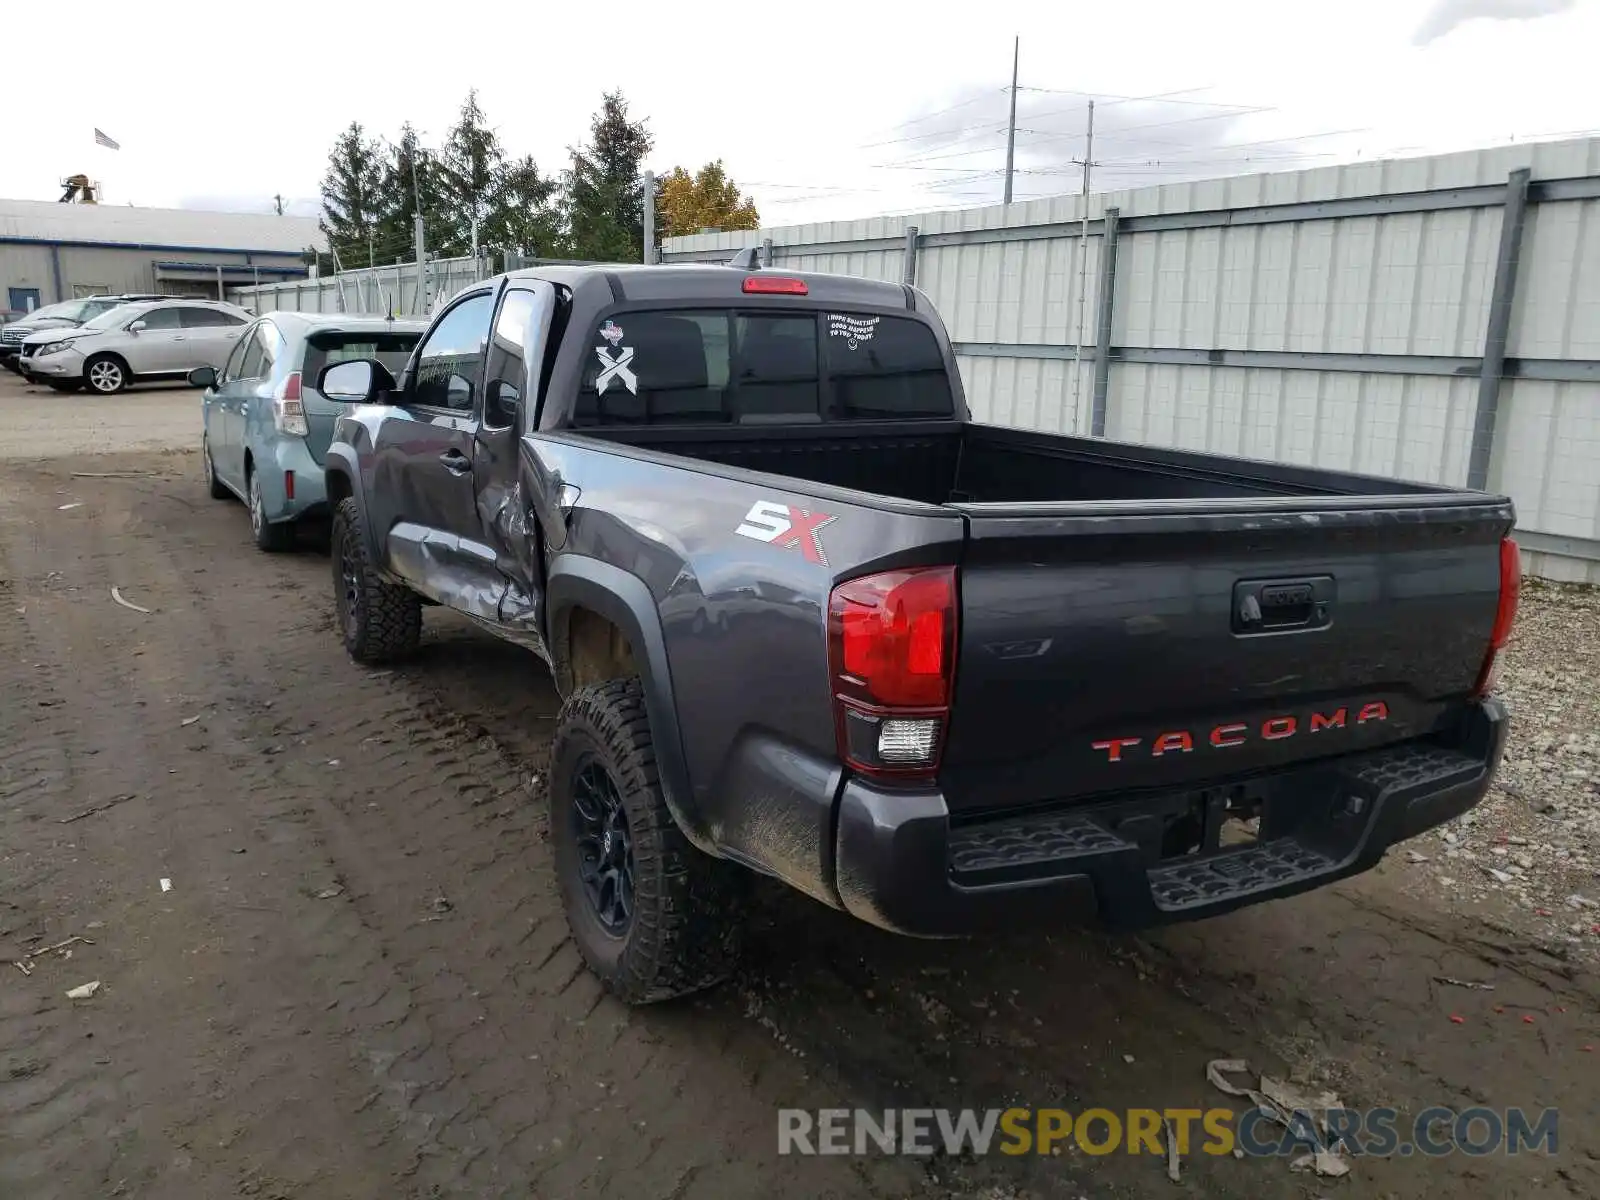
[(578, 581), (341, 474)]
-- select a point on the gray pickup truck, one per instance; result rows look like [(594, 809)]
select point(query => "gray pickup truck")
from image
[(810, 620)]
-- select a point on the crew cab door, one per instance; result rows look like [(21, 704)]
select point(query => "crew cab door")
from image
[(422, 498), (507, 499)]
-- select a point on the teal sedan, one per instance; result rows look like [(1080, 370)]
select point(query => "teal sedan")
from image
[(267, 428)]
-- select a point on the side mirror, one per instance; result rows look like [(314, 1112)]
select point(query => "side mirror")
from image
[(359, 381), (203, 377), (137, 326)]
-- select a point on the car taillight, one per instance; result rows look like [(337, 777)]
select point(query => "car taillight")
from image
[(288, 414), (892, 654), (1505, 615)]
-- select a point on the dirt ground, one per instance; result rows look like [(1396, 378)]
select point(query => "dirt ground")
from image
[(360, 985)]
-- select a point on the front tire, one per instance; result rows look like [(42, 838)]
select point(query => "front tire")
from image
[(105, 374), (379, 621), (652, 916), (268, 537)]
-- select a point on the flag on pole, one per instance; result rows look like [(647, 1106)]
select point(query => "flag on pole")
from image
[(100, 139)]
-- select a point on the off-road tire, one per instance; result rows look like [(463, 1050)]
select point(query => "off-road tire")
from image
[(381, 622), (685, 928), (214, 486)]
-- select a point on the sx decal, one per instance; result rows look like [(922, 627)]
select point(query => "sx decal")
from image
[(787, 526)]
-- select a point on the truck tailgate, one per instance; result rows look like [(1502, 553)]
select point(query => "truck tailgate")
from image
[(1154, 644)]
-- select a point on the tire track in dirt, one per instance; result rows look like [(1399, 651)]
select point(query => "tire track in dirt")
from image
[(377, 1043), (459, 1044)]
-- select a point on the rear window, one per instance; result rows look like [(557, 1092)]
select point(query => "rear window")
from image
[(391, 349), (721, 366)]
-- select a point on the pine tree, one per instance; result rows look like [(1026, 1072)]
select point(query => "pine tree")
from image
[(605, 195), (352, 195), (469, 169), (410, 183), (524, 211)]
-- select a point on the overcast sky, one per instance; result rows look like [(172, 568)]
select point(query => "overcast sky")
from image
[(825, 111)]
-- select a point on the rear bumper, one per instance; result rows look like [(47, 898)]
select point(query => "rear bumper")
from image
[(277, 460), (901, 864)]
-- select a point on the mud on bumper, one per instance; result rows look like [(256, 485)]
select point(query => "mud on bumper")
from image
[(901, 862)]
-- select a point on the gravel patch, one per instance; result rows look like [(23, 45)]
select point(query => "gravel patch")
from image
[(1527, 860)]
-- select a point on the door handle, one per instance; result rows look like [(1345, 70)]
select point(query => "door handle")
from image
[(455, 462)]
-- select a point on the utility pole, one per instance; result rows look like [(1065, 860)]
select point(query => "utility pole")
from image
[(278, 202), (1011, 125), (371, 261), (475, 243), (649, 218), (1083, 263)]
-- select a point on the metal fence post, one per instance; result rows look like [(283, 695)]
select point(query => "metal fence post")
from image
[(1498, 330), (1102, 341), (908, 269), (649, 218), (766, 252)]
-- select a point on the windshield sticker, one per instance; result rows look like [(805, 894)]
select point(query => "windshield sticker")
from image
[(612, 332), (854, 330), (615, 367)]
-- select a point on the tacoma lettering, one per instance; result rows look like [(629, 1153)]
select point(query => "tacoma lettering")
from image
[(1237, 733)]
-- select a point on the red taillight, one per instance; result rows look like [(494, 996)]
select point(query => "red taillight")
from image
[(892, 645), (774, 285), (1505, 615), (288, 414)]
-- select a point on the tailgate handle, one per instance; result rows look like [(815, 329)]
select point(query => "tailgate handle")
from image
[(1270, 606)]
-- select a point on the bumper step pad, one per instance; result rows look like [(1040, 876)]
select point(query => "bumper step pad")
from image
[(1180, 885)]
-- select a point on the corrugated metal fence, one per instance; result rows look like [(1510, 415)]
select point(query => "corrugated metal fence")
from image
[(1435, 319), (377, 290)]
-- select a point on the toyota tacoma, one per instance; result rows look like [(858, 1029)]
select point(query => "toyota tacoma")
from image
[(811, 620)]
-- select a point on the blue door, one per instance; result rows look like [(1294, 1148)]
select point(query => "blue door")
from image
[(22, 299)]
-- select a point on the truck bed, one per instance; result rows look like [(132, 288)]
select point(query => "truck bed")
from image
[(954, 462)]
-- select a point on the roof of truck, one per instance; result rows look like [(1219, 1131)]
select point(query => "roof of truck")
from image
[(632, 281)]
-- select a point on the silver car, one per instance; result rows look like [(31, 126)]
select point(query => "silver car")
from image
[(150, 340)]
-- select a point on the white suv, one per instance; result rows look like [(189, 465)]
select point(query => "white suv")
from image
[(152, 339)]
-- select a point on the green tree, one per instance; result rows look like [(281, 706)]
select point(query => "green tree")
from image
[(470, 167), (352, 194), (605, 194), (524, 211), (411, 182), (707, 199)]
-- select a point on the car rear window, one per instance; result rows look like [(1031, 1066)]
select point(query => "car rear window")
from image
[(723, 366), (391, 349)]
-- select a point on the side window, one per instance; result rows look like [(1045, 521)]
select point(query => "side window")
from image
[(507, 373), (205, 318), (251, 365), (162, 318), (267, 335), (451, 358), (233, 369)]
